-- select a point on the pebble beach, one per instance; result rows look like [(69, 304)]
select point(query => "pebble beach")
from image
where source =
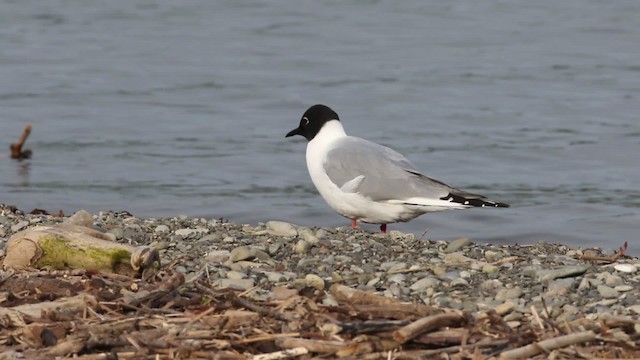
[(458, 274)]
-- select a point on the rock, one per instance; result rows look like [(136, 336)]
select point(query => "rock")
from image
[(235, 275), (505, 294), (456, 258), (567, 271), (491, 256), (391, 266), (218, 256), (564, 284), (491, 285), (302, 247), (81, 218), (397, 278), (242, 284), (281, 228), (626, 268), (607, 292), (456, 245), (242, 253), (613, 280), (489, 269), (161, 229), (635, 309), (623, 288), (459, 282), (309, 237), (314, 281), (424, 283), (189, 232), (19, 226)]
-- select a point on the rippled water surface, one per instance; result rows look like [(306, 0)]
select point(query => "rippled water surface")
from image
[(165, 108)]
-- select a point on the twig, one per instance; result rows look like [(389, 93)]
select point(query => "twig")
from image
[(548, 345), (608, 259), (16, 149), (282, 354), (316, 346), (260, 309), (423, 325)]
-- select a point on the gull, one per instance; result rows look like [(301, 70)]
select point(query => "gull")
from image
[(368, 182)]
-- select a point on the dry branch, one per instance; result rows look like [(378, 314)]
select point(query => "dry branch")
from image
[(69, 306), (423, 325), (548, 345), (16, 148)]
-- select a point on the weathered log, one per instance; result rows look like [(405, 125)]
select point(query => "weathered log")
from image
[(69, 306), (69, 246)]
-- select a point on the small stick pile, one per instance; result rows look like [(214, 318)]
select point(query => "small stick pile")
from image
[(89, 316)]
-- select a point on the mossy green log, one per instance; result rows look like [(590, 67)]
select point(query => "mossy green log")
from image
[(59, 253)]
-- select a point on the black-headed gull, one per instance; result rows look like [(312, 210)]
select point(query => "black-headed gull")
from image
[(368, 182)]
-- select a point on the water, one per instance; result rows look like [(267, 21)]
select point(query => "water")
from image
[(164, 108)]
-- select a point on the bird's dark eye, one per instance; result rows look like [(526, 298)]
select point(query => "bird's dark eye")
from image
[(305, 121)]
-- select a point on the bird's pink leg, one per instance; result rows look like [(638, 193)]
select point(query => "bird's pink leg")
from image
[(354, 224), (383, 228)]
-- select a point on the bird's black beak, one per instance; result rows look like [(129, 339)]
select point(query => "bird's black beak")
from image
[(293, 132)]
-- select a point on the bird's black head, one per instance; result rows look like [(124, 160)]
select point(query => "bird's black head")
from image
[(313, 120)]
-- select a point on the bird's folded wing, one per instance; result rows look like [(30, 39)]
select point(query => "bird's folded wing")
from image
[(380, 173)]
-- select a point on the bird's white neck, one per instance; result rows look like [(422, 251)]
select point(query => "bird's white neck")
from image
[(329, 132), (318, 147)]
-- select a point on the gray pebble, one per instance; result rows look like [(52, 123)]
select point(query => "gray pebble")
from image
[(80, 218), (302, 247), (607, 292), (506, 294), (456, 258), (397, 278), (281, 228), (459, 282), (626, 268), (19, 226), (189, 232), (241, 284), (314, 281), (235, 275), (426, 282), (218, 256), (491, 256), (118, 232), (457, 244), (242, 253), (161, 229), (623, 288), (568, 271)]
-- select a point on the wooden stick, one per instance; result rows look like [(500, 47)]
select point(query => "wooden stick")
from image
[(548, 345), (16, 149), (282, 354), (316, 346), (423, 325)]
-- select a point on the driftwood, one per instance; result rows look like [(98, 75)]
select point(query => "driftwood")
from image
[(16, 148), (105, 317), (71, 246)]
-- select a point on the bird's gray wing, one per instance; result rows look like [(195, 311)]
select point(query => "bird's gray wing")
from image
[(378, 172)]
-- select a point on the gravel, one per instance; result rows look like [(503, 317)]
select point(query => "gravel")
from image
[(460, 274)]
